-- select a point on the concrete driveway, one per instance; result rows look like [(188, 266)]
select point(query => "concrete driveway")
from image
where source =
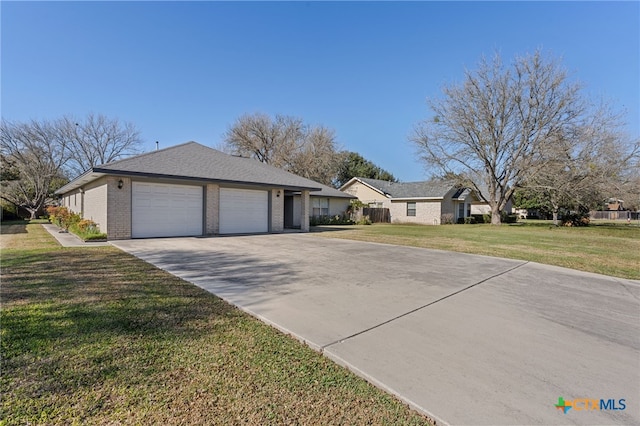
[(466, 339)]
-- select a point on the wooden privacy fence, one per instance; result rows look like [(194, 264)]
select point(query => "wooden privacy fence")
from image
[(377, 214)]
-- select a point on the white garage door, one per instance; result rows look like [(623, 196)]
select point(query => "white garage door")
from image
[(166, 210), (243, 211)]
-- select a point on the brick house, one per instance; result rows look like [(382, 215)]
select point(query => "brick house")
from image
[(430, 202), (188, 190)]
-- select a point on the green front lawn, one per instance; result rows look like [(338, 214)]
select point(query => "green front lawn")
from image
[(610, 249), (96, 336)]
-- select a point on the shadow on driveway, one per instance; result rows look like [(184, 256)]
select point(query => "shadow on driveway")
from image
[(466, 339)]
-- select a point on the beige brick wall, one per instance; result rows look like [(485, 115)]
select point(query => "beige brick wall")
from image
[(366, 194), (110, 207), (277, 210), (73, 201), (478, 208), (304, 211), (337, 206), (212, 209), (449, 207), (427, 212), (95, 203), (119, 213)]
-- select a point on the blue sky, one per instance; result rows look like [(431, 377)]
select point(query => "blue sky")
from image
[(186, 71)]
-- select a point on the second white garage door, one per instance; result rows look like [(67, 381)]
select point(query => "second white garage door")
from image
[(243, 211), (166, 210)]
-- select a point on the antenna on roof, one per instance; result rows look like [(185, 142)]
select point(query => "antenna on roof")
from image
[(157, 145)]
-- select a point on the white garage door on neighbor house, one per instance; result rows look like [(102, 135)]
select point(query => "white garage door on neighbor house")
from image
[(166, 210)]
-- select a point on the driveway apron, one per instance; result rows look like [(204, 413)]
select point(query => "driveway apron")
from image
[(466, 339)]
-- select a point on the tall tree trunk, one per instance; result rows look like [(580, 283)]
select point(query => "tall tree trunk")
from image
[(556, 208), (496, 218)]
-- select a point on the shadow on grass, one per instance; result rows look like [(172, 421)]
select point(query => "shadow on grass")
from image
[(14, 227)]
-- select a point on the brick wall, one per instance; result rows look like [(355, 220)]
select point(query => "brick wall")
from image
[(366, 194), (119, 213), (95, 203), (277, 210), (338, 206), (427, 212), (304, 211), (73, 201), (212, 209)]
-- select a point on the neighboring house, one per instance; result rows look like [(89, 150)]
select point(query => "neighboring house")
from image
[(482, 207), (326, 202), (614, 204), (430, 202), (188, 190)]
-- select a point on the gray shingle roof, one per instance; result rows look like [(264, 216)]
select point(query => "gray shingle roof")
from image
[(425, 189), (328, 191), (194, 161)]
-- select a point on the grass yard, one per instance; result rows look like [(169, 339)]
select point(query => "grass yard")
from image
[(610, 249), (96, 336)]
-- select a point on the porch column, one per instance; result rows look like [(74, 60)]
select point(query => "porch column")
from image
[(277, 211), (212, 209), (304, 211)]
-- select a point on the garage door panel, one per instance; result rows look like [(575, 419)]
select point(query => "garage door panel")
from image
[(243, 211), (166, 210)]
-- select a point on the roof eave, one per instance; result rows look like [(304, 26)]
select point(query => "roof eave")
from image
[(85, 178), (202, 179), (386, 194), (416, 198)]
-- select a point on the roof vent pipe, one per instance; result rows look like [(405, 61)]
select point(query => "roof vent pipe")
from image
[(157, 145)]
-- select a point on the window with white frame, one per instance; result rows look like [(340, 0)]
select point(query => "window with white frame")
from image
[(411, 208), (319, 207)]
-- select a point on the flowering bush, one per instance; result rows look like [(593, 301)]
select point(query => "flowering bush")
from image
[(86, 225), (62, 217), (83, 228)]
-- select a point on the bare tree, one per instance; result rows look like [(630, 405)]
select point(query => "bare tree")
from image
[(98, 140), (317, 159), (37, 153), (584, 168), (494, 128), (43, 154), (269, 141), (285, 142)]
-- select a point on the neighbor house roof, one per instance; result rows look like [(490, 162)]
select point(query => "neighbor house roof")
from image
[(405, 190), (193, 161), (328, 191)]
